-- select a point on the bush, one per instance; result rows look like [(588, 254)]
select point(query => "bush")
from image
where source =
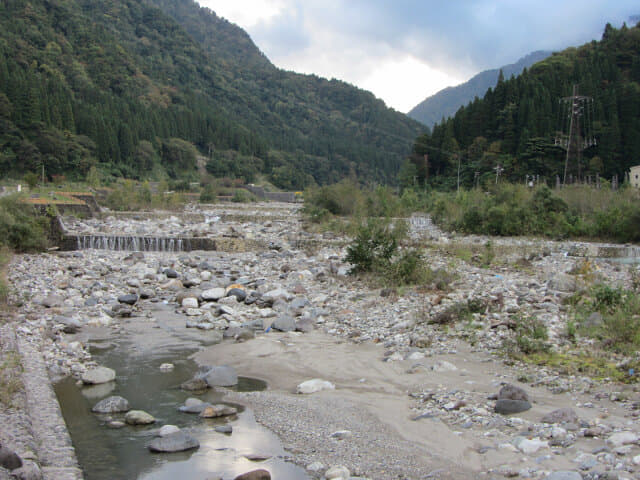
[(375, 243), (619, 330), (343, 198), (409, 268), (531, 336), (21, 228), (209, 194), (243, 196)]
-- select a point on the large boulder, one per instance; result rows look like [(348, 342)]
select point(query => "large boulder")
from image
[(512, 399), (173, 442), (221, 376), (138, 417), (98, 375), (113, 404)]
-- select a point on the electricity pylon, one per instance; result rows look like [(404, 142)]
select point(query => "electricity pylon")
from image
[(575, 133)]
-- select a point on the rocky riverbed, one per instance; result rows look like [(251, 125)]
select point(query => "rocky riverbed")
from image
[(398, 396)]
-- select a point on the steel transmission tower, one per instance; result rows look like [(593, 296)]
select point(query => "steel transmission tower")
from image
[(575, 132)]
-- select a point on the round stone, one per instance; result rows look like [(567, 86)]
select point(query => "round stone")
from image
[(113, 404)]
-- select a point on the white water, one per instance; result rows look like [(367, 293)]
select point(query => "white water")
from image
[(130, 243)]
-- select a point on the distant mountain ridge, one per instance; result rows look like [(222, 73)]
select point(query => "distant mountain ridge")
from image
[(446, 102)]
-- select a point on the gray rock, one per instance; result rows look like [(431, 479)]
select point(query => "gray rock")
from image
[(224, 429), (261, 474), (174, 442), (221, 376), (170, 273), (564, 475), (147, 293), (98, 375), (70, 325), (166, 430), (191, 281), (562, 415), (129, 298), (239, 293), (193, 407), (305, 325), (9, 459), (194, 385), (220, 410), (506, 406), (114, 404), (299, 303), (190, 302), (284, 323), (138, 417), (511, 392), (29, 470), (213, 294), (52, 301)]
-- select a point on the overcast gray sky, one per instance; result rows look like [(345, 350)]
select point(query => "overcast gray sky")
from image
[(406, 50)]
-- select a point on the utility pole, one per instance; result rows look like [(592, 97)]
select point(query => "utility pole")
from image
[(575, 133), (499, 170), (458, 156)]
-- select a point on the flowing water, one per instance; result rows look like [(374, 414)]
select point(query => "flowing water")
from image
[(136, 354)]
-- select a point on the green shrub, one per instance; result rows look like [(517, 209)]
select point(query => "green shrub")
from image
[(375, 243), (606, 297), (243, 196), (209, 193), (343, 198), (531, 336), (409, 268)]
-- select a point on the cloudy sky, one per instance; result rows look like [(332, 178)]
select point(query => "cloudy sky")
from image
[(406, 50)]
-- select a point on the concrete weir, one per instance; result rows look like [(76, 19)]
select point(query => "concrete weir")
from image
[(136, 243), (605, 251)]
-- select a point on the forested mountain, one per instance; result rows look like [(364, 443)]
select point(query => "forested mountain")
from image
[(135, 86), (447, 101), (515, 123)]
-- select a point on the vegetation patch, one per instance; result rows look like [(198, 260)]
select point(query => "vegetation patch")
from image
[(22, 229), (610, 315), (10, 377), (579, 363)]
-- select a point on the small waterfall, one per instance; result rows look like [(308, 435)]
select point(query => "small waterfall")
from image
[(132, 243)]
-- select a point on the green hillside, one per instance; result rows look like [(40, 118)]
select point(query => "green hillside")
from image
[(138, 88), (515, 123)]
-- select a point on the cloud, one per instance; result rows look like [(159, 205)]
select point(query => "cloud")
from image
[(418, 46)]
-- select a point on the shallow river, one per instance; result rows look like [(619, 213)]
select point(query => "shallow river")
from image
[(136, 353)]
